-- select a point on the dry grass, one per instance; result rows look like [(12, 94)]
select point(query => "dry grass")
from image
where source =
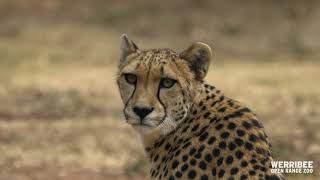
[(60, 112)]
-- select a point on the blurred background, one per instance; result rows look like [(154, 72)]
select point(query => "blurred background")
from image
[(60, 111)]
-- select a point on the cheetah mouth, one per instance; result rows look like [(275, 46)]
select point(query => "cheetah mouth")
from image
[(141, 125)]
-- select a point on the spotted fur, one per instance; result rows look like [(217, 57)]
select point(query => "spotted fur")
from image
[(193, 131)]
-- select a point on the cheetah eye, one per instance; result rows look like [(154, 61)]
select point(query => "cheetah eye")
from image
[(167, 82), (130, 78)]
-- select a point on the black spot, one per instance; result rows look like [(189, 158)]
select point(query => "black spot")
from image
[(231, 125), (171, 157), (234, 171), (208, 157), (201, 103), (157, 145), (202, 130), (262, 151), (252, 172), (167, 147), (177, 153), (213, 120), (264, 161), (156, 158), (264, 169), (256, 167), (221, 173), (253, 138), (198, 155), (223, 109), (185, 158), (171, 178), (204, 177), (244, 164), (202, 165), (175, 164), (219, 161), (215, 152), (166, 172), (240, 132), (238, 113), (203, 137), (243, 177), (186, 139), (192, 174), (232, 146), (246, 124), (224, 135), (214, 103), (195, 127), (184, 167), (164, 159), (192, 151), (186, 145), (214, 172), (193, 162), (219, 126), (211, 140), (239, 154), (206, 115), (256, 123), (263, 138), (222, 145), (194, 112), (254, 161), (201, 148), (152, 171), (178, 174), (229, 160), (249, 146), (185, 129), (180, 141), (239, 141)]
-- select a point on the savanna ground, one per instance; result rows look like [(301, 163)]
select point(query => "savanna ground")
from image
[(60, 112)]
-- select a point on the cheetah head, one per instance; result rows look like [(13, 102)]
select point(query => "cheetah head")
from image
[(157, 86)]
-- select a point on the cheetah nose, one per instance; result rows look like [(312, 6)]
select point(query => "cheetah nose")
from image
[(142, 112)]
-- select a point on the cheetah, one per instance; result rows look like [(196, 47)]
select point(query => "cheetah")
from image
[(189, 129)]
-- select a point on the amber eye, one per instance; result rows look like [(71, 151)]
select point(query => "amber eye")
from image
[(130, 78), (167, 82)]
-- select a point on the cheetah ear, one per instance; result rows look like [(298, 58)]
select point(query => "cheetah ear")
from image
[(198, 55), (127, 47)]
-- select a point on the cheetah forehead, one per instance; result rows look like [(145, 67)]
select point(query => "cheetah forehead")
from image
[(157, 55), (163, 61)]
